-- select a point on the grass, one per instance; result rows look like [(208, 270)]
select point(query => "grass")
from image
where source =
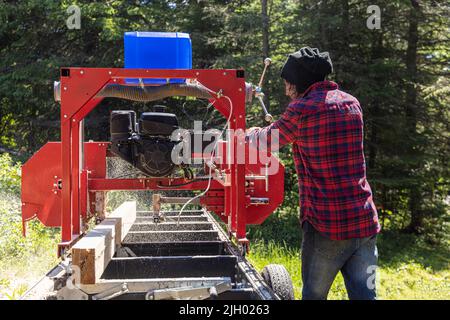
[(22, 260), (408, 267)]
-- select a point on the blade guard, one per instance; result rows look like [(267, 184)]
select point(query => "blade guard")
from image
[(41, 181)]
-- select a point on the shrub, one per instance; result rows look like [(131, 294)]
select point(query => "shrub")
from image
[(9, 174)]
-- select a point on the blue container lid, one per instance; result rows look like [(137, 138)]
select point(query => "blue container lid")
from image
[(151, 34), (157, 50)]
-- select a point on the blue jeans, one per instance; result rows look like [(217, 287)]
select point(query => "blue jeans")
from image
[(323, 258)]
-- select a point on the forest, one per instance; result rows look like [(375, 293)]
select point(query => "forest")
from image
[(397, 64)]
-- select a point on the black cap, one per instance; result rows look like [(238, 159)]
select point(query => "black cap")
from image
[(305, 67)]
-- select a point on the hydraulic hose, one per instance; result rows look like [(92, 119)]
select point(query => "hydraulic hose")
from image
[(152, 93)]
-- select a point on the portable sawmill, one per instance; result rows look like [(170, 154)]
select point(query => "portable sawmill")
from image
[(154, 254)]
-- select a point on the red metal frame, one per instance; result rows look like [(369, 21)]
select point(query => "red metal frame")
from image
[(81, 172)]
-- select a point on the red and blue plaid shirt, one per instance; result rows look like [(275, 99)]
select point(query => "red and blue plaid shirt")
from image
[(325, 127)]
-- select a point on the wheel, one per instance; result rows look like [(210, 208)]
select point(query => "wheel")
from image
[(279, 280)]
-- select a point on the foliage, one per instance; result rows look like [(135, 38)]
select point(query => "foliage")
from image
[(20, 256), (12, 243), (9, 174)]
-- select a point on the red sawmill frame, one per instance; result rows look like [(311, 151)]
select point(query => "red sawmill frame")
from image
[(62, 182), (79, 87)]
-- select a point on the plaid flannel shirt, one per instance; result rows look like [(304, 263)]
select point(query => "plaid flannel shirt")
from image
[(325, 127)]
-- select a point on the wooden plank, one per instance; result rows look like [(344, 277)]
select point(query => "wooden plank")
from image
[(126, 215), (94, 251)]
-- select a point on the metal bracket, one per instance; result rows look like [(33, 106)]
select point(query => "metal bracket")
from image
[(112, 293), (189, 293)]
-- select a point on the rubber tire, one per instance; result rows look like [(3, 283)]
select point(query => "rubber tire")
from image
[(279, 280)]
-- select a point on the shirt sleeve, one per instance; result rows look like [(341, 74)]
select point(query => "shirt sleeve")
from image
[(281, 132)]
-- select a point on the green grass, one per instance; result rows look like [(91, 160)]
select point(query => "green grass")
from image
[(22, 260), (409, 268)]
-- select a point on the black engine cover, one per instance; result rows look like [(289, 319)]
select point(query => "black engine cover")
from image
[(157, 123), (148, 146), (155, 157)]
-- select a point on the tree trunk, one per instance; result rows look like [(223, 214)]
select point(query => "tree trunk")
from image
[(321, 18), (377, 50), (265, 45), (411, 112), (265, 29)]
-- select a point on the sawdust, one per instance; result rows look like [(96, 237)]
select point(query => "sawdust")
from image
[(118, 168)]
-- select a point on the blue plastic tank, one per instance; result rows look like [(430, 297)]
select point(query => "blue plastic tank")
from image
[(157, 50)]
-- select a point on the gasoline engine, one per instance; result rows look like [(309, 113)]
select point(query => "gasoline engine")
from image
[(146, 144)]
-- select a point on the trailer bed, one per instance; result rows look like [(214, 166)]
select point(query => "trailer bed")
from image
[(187, 256)]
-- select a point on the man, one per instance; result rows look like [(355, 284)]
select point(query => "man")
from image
[(338, 216)]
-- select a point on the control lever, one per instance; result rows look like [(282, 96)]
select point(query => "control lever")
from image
[(267, 62), (267, 116), (260, 95)]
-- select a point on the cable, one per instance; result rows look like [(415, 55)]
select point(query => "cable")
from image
[(212, 153), (208, 106)]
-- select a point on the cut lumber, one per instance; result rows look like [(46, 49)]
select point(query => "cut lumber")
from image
[(126, 214), (92, 253)]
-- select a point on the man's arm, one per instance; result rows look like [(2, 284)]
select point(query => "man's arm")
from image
[(277, 134)]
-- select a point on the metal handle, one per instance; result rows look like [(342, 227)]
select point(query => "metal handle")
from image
[(267, 62), (260, 95), (267, 116)]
